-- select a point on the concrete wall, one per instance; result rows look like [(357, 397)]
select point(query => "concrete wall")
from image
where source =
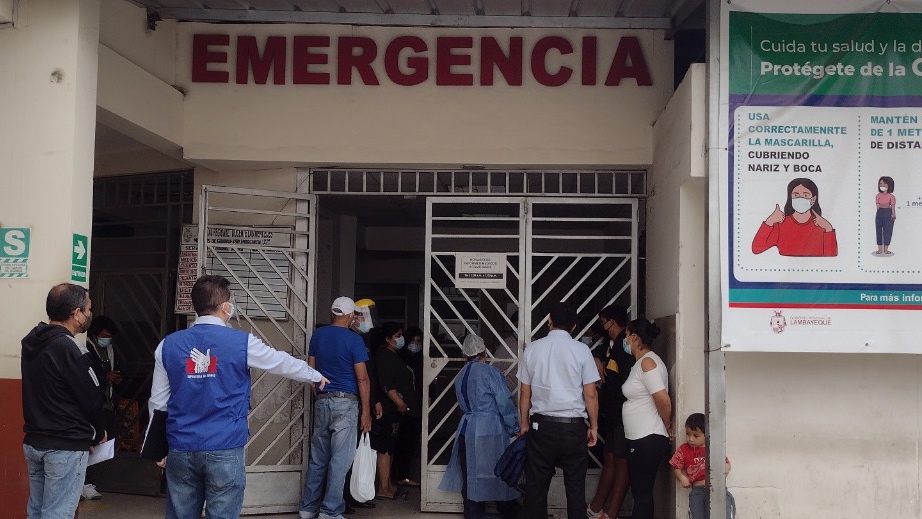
[(48, 84), (676, 233), (825, 436)]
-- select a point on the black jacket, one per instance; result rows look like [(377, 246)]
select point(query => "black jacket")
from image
[(61, 400)]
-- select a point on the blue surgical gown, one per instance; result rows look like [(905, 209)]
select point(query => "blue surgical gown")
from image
[(490, 419)]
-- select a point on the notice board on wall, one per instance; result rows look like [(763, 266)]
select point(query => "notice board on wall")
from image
[(253, 260), (821, 180)]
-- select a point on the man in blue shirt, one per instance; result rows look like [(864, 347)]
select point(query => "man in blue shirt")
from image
[(202, 380), (558, 394), (338, 353)]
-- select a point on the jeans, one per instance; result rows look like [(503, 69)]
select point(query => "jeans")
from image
[(645, 455), (555, 444), (333, 441), (697, 507), (55, 481), (196, 477)]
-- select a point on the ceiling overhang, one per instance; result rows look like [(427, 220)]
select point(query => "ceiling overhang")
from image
[(668, 15)]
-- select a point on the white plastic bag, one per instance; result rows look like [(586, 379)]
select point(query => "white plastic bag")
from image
[(362, 484)]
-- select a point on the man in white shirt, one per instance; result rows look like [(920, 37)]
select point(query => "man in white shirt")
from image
[(558, 394)]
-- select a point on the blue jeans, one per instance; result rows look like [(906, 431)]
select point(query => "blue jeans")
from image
[(194, 477), (336, 422), (55, 481), (697, 508)]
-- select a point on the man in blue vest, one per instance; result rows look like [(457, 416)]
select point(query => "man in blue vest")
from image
[(202, 380), (340, 353)]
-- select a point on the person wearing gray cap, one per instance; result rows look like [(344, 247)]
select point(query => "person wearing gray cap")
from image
[(489, 420), (338, 353)]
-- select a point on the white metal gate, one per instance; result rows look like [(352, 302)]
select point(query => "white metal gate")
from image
[(581, 251), (263, 242)]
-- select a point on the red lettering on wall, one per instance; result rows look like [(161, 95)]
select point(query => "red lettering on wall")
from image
[(628, 62), (539, 61), (302, 58), (347, 59), (273, 57), (202, 57), (590, 56), (509, 66), (418, 64), (445, 59)]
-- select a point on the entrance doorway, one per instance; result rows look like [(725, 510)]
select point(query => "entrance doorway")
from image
[(401, 236)]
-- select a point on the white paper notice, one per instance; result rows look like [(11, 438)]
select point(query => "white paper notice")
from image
[(102, 452)]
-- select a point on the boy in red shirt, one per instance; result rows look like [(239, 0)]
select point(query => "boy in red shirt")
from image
[(688, 465)]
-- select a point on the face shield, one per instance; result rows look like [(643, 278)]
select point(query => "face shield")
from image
[(366, 315)]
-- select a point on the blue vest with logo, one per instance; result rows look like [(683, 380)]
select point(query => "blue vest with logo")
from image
[(209, 388)]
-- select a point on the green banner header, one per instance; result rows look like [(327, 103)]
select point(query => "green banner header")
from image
[(870, 54)]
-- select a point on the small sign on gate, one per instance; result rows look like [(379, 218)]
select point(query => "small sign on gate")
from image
[(480, 270)]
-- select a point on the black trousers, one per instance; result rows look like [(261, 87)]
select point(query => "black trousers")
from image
[(553, 445), (476, 509), (411, 428), (644, 458)]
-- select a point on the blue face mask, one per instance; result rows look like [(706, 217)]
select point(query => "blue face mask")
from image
[(415, 347), (104, 342), (626, 345), (400, 343)]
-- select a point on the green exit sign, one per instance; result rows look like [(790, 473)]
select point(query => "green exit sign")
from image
[(80, 255)]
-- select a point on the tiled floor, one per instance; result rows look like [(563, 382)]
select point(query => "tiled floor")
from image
[(122, 506)]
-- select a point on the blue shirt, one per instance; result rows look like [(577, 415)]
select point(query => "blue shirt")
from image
[(336, 351), (557, 367)]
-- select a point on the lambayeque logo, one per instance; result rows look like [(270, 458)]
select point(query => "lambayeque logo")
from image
[(779, 322)]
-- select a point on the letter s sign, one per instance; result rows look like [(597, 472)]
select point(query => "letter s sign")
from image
[(14, 243)]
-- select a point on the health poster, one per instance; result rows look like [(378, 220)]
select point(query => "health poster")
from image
[(821, 189)]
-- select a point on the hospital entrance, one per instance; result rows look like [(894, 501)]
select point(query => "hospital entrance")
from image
[(478, 252)]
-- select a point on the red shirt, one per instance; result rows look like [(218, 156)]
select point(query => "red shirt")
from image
[(692, 459), (795, 239)]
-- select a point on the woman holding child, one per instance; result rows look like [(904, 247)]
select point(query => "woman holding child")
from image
[(647, 414)]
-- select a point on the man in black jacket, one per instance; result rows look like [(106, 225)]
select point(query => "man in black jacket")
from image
[(62, 404)]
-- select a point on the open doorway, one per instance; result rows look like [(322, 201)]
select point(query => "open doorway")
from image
[(402, 249)]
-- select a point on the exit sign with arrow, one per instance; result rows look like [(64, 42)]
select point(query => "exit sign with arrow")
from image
[(80, 255)]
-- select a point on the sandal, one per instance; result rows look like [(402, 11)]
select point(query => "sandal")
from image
[(408, 483), (397, 496)]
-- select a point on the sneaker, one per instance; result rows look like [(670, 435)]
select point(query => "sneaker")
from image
[(594, 515), (89, 492)]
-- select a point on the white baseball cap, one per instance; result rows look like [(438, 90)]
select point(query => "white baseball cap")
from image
[(343, 305)]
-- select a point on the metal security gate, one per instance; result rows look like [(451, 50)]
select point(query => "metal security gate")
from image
[(494, 266), (263, 242)]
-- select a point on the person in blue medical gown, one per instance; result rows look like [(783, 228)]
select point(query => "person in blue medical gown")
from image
[(490, 420)]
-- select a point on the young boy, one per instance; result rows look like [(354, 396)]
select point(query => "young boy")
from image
[(688, 464)]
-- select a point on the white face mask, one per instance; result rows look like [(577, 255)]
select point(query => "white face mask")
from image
[(363, 327), (586, 340), (801, 205), (884, 189)]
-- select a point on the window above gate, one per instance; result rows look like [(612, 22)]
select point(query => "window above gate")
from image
[(607, 183)]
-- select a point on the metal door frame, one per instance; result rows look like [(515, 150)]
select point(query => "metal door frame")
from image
[(282, 480), (433, 500)]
